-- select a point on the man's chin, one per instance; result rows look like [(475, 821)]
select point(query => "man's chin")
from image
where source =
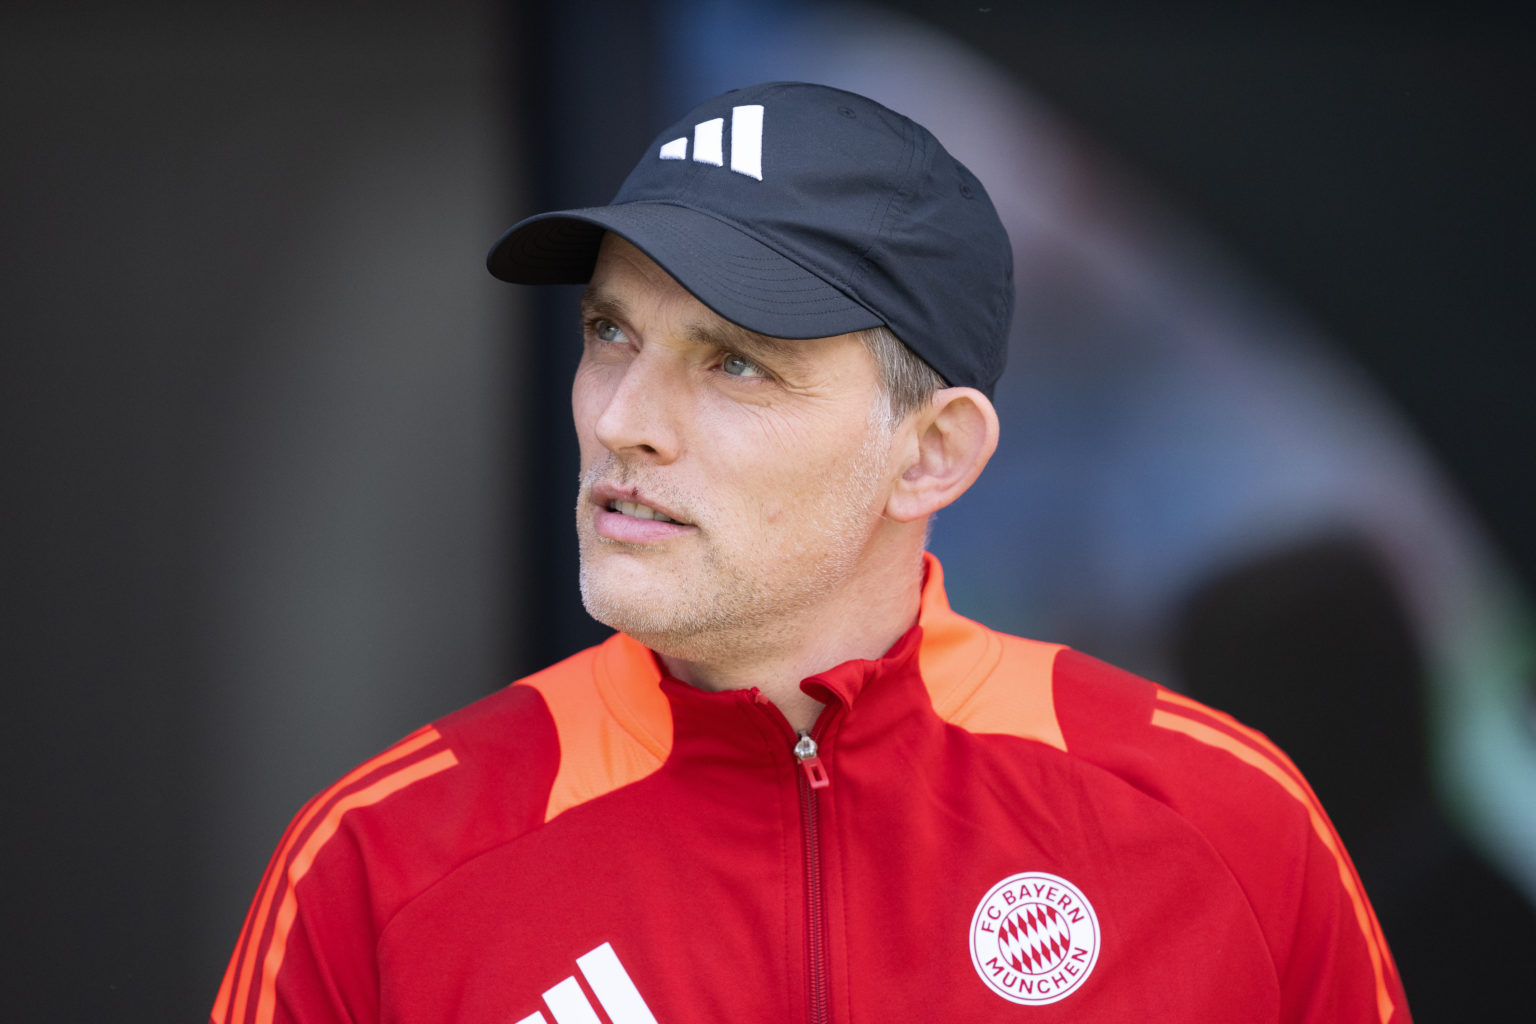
[(674, 624), (662, 632), (626, 597)]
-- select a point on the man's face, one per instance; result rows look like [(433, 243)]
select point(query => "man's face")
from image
[(771, 457)]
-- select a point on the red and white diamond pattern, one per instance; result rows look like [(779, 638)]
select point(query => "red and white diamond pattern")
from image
[(1034, 939)]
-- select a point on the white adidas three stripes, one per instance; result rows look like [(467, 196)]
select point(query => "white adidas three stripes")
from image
[(609, 981), (709, 142)]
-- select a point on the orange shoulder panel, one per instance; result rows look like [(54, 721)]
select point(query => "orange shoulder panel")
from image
[(957, 655), (612, 720)]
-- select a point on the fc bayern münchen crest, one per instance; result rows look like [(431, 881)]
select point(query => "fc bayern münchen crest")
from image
[(1034, 938)]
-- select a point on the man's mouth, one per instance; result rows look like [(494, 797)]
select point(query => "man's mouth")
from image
[(630, 508)]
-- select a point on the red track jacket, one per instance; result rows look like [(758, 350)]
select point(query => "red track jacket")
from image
[(978, 828)]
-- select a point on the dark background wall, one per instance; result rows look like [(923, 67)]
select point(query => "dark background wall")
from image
[(288, 474), (257, 396)]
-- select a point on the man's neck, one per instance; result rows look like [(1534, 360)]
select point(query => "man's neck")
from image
[(864, 624)]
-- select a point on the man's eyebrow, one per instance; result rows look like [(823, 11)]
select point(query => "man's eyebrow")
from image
[(600, 304), (721, 333), (716, 332)]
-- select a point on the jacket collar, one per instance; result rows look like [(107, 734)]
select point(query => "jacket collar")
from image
[(948, 649)]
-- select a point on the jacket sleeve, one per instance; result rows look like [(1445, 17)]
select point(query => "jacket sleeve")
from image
[(1250, 804), (306, 952), (1331, 959)]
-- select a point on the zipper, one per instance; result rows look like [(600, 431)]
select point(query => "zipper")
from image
[(810, 763), (813, 777)]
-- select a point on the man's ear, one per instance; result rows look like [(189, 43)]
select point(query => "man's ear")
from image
[(955, 435)]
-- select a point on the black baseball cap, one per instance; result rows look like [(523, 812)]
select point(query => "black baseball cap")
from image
[(803, 211)]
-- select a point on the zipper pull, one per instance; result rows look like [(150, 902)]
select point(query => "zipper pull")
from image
[(815, 771)]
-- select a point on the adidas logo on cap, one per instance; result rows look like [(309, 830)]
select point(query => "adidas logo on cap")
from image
[(708, 142), (863, 219)]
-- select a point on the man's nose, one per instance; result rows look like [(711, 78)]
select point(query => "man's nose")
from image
[(640, 416)]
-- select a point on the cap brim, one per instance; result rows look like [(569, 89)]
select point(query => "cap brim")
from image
[(732, 273)]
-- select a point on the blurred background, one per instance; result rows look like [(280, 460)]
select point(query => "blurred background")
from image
[(290, 474)]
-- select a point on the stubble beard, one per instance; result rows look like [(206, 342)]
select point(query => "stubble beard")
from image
[(729, 607)]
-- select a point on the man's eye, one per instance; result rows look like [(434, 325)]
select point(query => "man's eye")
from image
[(607, 330), (739, 367)]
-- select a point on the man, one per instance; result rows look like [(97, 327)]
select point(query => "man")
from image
[(795, 785)]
